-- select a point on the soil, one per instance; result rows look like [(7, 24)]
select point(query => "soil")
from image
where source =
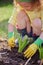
[(14, 58)]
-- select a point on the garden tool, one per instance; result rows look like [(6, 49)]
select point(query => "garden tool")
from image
[(31, 50)]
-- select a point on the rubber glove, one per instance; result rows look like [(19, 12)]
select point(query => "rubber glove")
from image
[(11, 40), (31, 50)]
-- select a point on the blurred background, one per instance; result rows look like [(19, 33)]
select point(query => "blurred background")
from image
[(6, 8)]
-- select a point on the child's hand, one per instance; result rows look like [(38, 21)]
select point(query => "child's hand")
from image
[(31, 50), (11, 42)]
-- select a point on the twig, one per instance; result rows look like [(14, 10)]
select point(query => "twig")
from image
[(27, 61)]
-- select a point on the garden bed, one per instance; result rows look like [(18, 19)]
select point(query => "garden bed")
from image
[(13, 57)]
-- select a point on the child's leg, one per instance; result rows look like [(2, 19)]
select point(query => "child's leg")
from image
[(22, 20), (36, 26)]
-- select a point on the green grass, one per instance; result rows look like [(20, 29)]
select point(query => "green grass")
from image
[(5, 13)]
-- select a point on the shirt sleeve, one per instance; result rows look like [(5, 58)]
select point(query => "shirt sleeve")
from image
[(12, 19), (42, 17)]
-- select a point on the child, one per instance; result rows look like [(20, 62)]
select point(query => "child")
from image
[(24, 14), (26, 18)]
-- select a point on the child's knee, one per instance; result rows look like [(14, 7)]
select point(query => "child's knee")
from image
[(37, 25), (21, 20)]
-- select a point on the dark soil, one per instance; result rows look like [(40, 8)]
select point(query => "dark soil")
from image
[(14, 58)]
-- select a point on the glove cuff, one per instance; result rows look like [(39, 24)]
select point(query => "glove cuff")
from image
[(10, 34), (38, 42)]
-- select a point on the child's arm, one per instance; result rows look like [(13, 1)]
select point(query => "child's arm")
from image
[(11, 24), (31, 50), (11, 35)]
